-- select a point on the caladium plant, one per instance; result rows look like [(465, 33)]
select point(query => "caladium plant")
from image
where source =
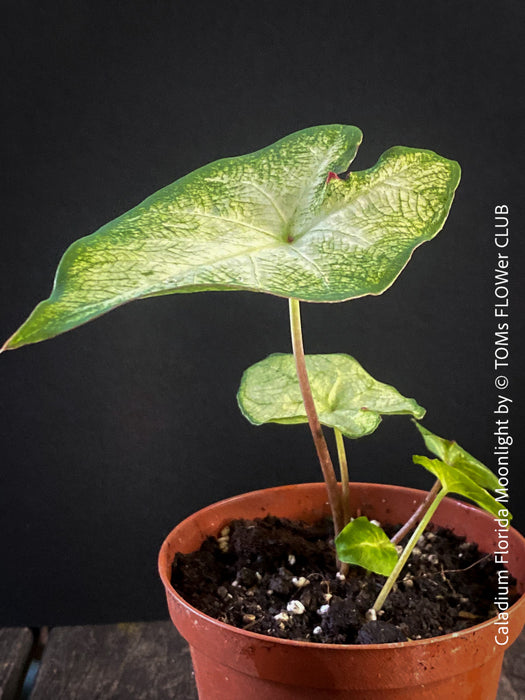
[(290, 220)]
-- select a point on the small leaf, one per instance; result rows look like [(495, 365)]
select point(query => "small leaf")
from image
[(365, 544), (455, 456), (272, 221), (345, 395), (455, 481)]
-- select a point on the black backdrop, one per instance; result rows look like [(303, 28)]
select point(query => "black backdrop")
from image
[(112, 433)]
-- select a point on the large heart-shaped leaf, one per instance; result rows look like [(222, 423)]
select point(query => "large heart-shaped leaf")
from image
[(345, 395), (273, 221), (365, 544), (452, 454), (454, 481)]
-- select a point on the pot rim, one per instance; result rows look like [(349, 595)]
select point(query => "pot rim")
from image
[(256, 636)]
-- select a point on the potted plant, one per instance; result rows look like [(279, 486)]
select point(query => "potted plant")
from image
[(293, 221)]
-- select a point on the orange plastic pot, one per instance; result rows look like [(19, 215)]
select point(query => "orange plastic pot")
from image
[(234, 664)]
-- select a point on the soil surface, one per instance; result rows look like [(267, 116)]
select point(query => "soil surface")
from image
[(278, 577)]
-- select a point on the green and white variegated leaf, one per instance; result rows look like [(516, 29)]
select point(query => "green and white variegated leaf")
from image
[(345, 395), (452, 454), (365, 544), (273, 221), (454, 481)]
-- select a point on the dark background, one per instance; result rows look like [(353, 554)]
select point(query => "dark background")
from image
[(112, 433)]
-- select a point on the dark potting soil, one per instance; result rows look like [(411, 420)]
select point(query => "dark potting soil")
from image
[(278, 577)]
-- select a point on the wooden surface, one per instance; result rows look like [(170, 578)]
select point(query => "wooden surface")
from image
[(512, 682), (15, 649), (143, 661)]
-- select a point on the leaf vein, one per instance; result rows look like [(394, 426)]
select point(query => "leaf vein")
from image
[(269, 198), (233, 221), (313, 265)]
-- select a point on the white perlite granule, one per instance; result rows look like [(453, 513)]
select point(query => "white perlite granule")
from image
[(295, 607)]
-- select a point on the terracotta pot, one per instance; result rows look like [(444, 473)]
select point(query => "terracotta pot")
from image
[(234, 664)]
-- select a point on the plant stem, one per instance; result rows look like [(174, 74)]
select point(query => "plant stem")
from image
[(311, 413), (343, 467), (417, 514), (408, 549)]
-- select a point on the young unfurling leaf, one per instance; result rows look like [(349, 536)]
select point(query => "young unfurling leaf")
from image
[(454, 481), (455, 456), (365, 544)]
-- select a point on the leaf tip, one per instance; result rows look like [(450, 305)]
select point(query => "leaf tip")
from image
[(6, 345), (332, 176)]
